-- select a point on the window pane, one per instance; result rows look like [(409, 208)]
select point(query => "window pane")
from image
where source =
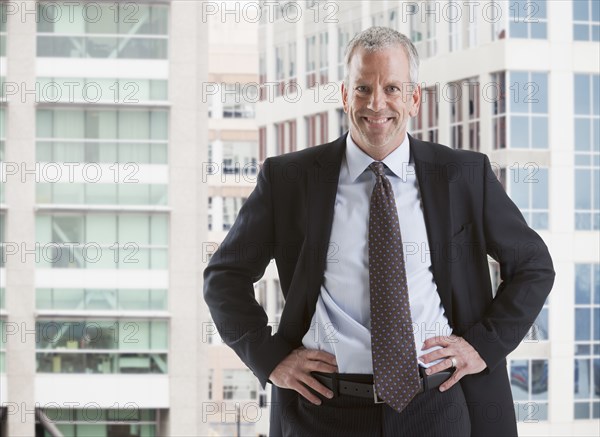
[(101, 18), (581, 32), (158, 89), (159, 229), (134, 125), (582, 94), (159, 259), (101, 46), (159, 335), (134, 194), (43, 300), (44, 123), (520, 91), (101, 124), (101, 194), (158, 299), (582, 324), (68, 193), (538, 93), (158, 153), (540, 190), (539, 132), (67, 229), (101, 229), (582, 378), (582, 134), (539, 220), (596, 334), (583, 183), (581, 10), (519, 380), (597, 283), (134, 335), (519, 132), (43, 229), (582, 284), (134, 228), (519, 193), (134, 299), (134, 152), (100, 299), (69, 124), (539, 380), (596, 93), (518, 29), (539, 30), (68, 299), (159, 125)]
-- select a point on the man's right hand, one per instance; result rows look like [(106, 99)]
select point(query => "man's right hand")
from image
[(293, 372)]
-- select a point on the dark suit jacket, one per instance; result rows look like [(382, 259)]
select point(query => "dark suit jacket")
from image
[(288, 218)]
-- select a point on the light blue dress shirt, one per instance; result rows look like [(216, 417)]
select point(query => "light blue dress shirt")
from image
[(341, 322)]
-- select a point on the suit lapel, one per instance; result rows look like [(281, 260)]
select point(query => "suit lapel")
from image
[(433, 187), (321, 192)]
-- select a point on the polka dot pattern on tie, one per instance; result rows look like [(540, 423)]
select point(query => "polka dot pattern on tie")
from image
[(395, 367)]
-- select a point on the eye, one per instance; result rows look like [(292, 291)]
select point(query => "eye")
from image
[(393, 89), (361, 89)]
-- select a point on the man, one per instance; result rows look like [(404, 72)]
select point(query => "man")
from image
[(390, 326)]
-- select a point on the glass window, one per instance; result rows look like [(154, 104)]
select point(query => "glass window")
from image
[(529, 384), (121, 241), (586, 20), (587, 342), (62, 34), (587, 151), (528, 188), (134, 228), (239, 384), (529, 105)]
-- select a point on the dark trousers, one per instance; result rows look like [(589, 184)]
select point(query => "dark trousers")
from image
[(431, 413)]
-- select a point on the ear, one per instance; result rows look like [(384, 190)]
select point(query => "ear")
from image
[(345, 97), (415, 100)]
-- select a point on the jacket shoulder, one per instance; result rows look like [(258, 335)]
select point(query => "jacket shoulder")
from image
[(445, 155)]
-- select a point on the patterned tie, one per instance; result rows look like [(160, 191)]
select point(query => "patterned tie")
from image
[(395, 367)]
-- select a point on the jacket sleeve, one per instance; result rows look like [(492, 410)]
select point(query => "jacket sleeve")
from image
[(526, 271), (240, 261)]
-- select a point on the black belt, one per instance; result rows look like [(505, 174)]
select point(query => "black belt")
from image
[(341, 385)]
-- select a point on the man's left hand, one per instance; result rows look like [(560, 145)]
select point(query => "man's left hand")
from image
[(466, 359)]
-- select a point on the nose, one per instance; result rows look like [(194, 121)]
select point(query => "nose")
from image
[(377, 101)]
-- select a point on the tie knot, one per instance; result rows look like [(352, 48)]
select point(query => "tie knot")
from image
[(378, 168)]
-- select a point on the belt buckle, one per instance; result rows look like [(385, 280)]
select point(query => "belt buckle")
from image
[(376, 398)]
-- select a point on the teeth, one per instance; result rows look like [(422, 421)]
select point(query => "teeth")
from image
[(377, 120)]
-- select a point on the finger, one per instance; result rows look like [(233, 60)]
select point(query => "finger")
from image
[(319, 366), (435, 355), (317, 386), (456, 376), (306, 393), (317, 355), (442, 365), (440, 340)]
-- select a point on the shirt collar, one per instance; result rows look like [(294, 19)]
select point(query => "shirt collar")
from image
[(358, 161)]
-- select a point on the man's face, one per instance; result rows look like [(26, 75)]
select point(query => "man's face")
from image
[(379, 99)]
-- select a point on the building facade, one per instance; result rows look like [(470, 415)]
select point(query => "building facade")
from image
[(518, 81), (233, 405), (102, 217)]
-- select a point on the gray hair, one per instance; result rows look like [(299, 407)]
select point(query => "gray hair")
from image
[(378, 38)]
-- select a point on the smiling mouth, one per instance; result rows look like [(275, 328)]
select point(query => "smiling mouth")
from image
[(377, 120)]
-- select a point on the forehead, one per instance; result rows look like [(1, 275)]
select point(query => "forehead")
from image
[(390, 62)]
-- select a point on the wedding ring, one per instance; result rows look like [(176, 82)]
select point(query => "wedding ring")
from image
[(453, 362)]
